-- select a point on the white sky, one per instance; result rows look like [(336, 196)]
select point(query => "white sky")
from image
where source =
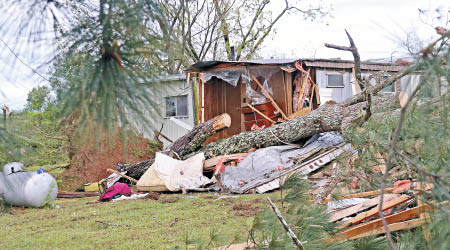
[(372, 24)]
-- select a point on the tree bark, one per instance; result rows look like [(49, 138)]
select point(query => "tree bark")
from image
[(193, 140), (184, 145), (328, 117)]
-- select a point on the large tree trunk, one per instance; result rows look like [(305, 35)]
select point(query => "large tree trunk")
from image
[(328, 117), (186, 144)]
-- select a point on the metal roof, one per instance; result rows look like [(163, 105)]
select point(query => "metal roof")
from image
[(345, 64), (321, 63)]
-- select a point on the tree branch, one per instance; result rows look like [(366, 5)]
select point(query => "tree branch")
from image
[(283, 222)]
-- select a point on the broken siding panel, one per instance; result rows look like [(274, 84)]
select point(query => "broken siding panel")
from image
[(338, 94)]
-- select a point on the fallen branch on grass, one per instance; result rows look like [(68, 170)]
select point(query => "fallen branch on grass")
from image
[(283, 222)]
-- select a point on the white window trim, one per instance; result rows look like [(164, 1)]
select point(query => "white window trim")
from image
[(176, 105), (394, 84), (335, 87)]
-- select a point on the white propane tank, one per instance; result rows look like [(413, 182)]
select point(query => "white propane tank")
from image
[(30, 189)]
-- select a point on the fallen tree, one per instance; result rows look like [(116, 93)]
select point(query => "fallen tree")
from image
[(328, 117), (184, 145)]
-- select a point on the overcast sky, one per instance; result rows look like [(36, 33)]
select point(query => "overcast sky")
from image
[(373, 24)]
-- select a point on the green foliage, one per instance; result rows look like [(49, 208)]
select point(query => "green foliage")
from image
[(308, 221), (108, 60), (133, 224), (37, 98), (422, 148), (29, 139)]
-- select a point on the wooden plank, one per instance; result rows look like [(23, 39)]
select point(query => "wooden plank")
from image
[(374, 211), (359, 207), (355, 232), (393, 227), (124, 176), (268, 96), (288, 86), (259, 112), (305, 88)]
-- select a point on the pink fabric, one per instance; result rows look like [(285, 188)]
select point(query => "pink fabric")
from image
[(117, 188)]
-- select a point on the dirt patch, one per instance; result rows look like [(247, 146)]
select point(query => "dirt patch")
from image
[(209, 197), (91, 159), (153, 196), (169, 199), (247, 208)]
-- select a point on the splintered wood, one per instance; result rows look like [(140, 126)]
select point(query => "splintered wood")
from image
[(357, 221)]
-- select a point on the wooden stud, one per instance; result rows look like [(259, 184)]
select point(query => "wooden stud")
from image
[(269, 97)]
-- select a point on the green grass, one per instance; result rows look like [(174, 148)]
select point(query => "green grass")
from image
[(134, 224)]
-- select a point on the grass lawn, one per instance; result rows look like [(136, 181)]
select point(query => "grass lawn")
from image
[(132, 224)]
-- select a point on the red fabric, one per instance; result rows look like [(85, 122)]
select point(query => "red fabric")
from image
[(117, 188)]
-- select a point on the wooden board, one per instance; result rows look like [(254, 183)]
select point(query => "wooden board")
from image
[(374, 211), (288, 92), (394, 227), (359, 207), (360, 230)]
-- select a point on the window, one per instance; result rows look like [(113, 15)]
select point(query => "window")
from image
[(390, 88), (335, 81), (176, 106)]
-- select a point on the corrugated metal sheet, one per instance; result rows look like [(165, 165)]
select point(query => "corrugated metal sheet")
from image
[(349, 64)]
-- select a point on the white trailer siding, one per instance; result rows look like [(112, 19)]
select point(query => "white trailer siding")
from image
[(337, 94), (170, 86)]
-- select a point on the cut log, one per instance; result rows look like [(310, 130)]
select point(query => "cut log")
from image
[(186, 144), (193, 140)]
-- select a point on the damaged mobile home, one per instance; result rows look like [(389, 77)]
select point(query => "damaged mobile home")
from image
[(297, 86)]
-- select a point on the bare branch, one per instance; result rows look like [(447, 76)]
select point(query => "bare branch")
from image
[(283, 222)]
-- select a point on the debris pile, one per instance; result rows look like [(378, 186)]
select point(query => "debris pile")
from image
[(357, 215)]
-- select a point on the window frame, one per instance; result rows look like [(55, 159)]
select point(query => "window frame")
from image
[(393, 85), (176, 106), (335, 74)]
